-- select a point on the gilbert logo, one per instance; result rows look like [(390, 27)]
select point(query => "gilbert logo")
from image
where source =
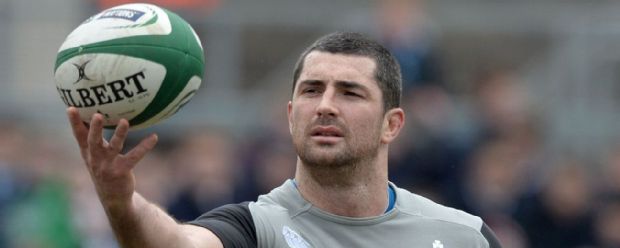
[(106, 93), (293, 239)]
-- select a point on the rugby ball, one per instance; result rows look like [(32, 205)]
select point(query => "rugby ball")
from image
[(139, 62)]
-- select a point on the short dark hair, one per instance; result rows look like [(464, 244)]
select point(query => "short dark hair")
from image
[(387, 72)]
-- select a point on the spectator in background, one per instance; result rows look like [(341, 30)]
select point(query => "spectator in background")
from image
[(502, 154), (267, 161), (494, 180), (12, 186), (427, 157), (204, 173), (607, 226), (43, 215), (610, 183), (503, 138), (265, 153), (505, 146), (607, 221), (560, 214), (502, 105), (405, 29)]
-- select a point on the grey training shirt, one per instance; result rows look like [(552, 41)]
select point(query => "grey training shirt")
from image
[(283, 218)]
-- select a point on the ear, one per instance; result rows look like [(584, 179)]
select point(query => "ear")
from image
[(288, 115), (393, 122)]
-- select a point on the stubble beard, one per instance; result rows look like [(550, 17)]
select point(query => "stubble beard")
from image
[(335, 165)]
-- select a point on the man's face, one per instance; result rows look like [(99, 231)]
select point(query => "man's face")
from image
[(336, 114)]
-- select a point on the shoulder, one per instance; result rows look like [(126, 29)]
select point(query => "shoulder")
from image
[(284, 199), (413, 204), (275, 215), (416, 205)]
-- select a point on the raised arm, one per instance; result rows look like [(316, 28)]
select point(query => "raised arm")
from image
[(135, 221)]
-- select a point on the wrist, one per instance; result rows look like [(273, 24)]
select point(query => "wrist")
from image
[(119, 205)]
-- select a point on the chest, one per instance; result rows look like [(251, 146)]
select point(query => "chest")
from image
[(404, 232)]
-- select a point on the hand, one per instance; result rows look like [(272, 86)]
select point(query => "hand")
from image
[(111, 171)]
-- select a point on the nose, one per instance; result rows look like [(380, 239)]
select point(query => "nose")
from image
[(327, 105)]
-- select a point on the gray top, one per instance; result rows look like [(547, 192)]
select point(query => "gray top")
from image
[(283, 218)]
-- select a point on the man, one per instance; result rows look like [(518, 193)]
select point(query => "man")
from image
[(342, 116)]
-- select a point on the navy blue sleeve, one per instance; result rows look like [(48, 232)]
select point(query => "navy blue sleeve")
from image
[(231, 223), (490, 236)]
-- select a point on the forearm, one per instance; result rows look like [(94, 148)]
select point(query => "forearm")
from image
[(135, 221), (143, 224)]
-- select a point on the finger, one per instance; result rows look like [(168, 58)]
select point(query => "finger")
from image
[(120, 134), (95, 134), (137, 153), (80, 130)]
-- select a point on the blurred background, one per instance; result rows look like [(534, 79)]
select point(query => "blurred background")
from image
[(512, 114)]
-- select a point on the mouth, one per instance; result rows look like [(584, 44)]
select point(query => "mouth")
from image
[(326, 131)]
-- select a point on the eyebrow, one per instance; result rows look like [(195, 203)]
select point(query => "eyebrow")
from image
[(339, 84), (311, 82), (351, 85)]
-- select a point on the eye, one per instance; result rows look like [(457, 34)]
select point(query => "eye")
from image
[(351, 93), (310, 90)]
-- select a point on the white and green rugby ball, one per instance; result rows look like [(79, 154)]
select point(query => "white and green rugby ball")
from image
[(139, 62)]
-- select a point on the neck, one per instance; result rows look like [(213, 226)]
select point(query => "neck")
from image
[(357, 190)]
